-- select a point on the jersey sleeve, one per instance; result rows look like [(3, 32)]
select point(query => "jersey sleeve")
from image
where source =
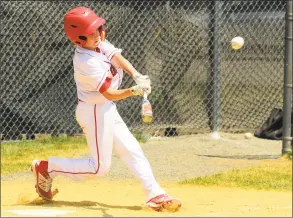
[(108, 49), (99, 76)]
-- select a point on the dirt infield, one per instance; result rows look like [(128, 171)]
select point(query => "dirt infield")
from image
[(125, 198), (172, 160)]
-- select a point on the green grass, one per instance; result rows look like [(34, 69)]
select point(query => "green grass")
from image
[(289, 154), (272, 175), (17, 156)]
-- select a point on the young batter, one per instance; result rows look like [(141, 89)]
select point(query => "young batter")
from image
[(98, 72)]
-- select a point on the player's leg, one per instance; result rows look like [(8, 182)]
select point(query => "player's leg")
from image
[(97, 123), (131, 153)]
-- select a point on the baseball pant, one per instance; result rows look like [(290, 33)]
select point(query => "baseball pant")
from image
[(105, 129)]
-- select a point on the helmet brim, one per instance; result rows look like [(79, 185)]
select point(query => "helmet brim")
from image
[(94, 26)]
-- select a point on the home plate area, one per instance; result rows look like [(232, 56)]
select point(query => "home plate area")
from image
[(40, 212)]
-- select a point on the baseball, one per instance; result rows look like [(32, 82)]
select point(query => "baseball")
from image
[(237, 42), (248, 135)]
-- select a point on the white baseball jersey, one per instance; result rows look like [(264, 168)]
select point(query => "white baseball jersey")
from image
[(93, 72)]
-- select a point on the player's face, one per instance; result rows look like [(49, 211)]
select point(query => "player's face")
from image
[(93, 40)]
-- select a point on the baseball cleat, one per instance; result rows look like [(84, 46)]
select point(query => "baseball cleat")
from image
[(164, 202), (43, 179)]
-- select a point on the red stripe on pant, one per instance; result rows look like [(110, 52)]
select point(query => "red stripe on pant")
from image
[(98, 155)]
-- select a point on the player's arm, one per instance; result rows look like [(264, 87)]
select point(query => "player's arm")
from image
[(114, 55), (120, 62), (115, 95), (116, 58)]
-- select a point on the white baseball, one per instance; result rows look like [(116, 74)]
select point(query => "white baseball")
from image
[(237, 42), (248, 135)]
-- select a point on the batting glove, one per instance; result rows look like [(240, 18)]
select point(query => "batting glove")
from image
[(138, 90), (141, 79)]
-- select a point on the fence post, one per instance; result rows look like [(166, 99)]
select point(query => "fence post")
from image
[(215, 54), (287, 103)]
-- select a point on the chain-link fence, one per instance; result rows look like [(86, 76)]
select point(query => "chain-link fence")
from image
[(198, 82)]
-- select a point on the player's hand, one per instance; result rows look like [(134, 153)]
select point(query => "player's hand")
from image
[(141, 79), (138, 90)]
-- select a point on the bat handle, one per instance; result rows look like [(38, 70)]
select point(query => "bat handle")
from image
[(145, 96)]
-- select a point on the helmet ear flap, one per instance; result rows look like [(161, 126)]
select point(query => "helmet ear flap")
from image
[(76, 43)]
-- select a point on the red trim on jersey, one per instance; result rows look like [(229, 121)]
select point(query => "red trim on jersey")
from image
[(102, 79), (113, 70), (106, 84), (97, 146)]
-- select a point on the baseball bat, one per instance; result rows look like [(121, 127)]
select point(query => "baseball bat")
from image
[(147, 114)]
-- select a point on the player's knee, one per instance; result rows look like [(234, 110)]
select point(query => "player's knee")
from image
[(100, 168), (103, 169), (136, 152)]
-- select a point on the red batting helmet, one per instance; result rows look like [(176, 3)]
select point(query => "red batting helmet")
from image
[(81, 21)]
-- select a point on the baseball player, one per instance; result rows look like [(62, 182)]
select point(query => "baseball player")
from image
[(98, 72)]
